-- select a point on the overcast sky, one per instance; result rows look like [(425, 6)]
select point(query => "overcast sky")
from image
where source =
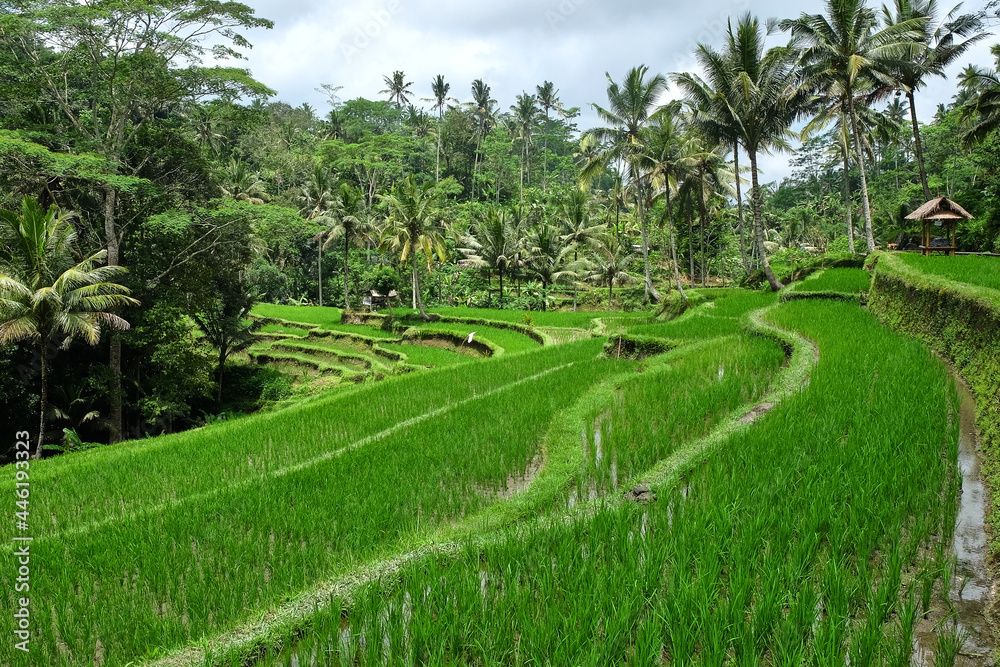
[(513, 45)]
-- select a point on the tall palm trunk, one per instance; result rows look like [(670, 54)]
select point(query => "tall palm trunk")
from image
[(319, 271), (115, 419), (43, 403), (758, 224), (650, 290), (437, 164), (347, 300), (500, 271), (418, 302), (847, 200), (690, 219), (918, 147), (668, 212), (865, 206), (739, 209), (702, 215)]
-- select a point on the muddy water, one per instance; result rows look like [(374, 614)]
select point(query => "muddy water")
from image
[(971, 587)]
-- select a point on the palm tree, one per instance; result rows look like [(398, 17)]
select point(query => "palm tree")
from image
[(943, 43), (492, 244), (440, 90), (484, 112), (547, 256), (707, 176), (314, 199), (345, 216), (707, 108), (548, 99), (756, 102), (668, 169), (45, 293), (630, 106), (609, 266), (526, 114), (982, 90), (397, 88), (846, 46), (414, 217), (580, 231)]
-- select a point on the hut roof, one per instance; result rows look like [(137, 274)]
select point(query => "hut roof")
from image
[(941, 208)]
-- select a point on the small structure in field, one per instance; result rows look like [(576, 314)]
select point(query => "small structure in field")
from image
[(944, 213), (376, 300)]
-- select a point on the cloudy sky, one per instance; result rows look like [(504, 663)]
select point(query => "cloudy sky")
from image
[(513, 45)]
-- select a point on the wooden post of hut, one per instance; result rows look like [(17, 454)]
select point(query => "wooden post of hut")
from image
[(941, 212)]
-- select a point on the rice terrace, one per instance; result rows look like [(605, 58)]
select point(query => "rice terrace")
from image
[(704, 371)]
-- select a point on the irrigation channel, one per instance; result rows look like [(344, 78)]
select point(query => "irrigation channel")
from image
[(971, 588)]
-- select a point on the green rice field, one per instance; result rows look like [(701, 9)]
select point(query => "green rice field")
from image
[(767, 491), (969, 269), (843, 281)]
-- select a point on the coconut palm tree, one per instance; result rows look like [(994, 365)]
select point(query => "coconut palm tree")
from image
[(526, 113), (414, 226), (944, 41), (547, 256), (579, 231), (630, 106), (668, 169), (491, 244), (45, 294), (609, 266), (483, 109), (756, 102), (846, 46), (548, 99), (708, 175), (347, 221), (440, 91), (397, 88), (981, 87), (314, 200)]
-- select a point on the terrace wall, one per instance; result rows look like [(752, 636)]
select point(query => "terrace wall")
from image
[(961, 323)]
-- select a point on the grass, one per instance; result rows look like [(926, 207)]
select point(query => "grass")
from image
[(551, 318), (324, 316), (787, 546), (196, 531), (422, 355), (510, 340), (969, 269), (844, 281)]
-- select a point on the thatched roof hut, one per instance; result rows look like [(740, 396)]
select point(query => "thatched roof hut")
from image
[(941, 212)]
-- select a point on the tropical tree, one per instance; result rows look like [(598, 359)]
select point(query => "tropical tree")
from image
[(846, 45), (111, 69), (547, 256), (46, 295), (580, 232), (668, 169), (982, 106), (347, 221), (548, 99), (492, 244), (942, 42), (225, 321), (440, 90), (526, 113), (314, 199), (397, 88), (414, 226), (630, 106), (609, 266), (483, 109), (756, 102)]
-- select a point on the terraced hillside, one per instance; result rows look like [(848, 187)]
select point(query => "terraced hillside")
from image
[(754, 482)]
